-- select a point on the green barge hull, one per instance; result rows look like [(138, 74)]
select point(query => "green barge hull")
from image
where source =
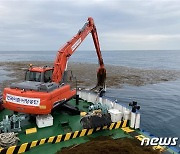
[(51, 139)]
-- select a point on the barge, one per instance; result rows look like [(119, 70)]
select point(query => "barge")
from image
[(68, 131)]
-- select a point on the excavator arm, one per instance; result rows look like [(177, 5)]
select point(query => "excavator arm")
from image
[(68, 49)]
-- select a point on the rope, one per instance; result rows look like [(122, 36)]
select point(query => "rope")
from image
[(8, 139)]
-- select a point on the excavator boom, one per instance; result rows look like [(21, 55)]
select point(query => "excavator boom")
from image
[(68, 49)]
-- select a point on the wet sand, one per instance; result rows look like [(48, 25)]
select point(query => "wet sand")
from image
[(85, 73)]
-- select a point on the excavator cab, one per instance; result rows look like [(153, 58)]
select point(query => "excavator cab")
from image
[(39, 74)]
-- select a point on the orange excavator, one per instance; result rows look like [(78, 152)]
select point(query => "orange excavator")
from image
[(43, 88)]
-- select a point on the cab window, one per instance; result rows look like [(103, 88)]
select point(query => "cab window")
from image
[(48, 76), (33, 76)]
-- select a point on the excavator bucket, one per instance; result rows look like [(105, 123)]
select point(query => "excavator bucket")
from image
[(101, 78)]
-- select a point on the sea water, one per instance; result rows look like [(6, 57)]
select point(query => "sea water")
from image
[(160, 103)]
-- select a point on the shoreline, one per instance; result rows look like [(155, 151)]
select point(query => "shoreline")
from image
[(117, 76)]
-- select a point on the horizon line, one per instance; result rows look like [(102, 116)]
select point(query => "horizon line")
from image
[(94, 49)]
